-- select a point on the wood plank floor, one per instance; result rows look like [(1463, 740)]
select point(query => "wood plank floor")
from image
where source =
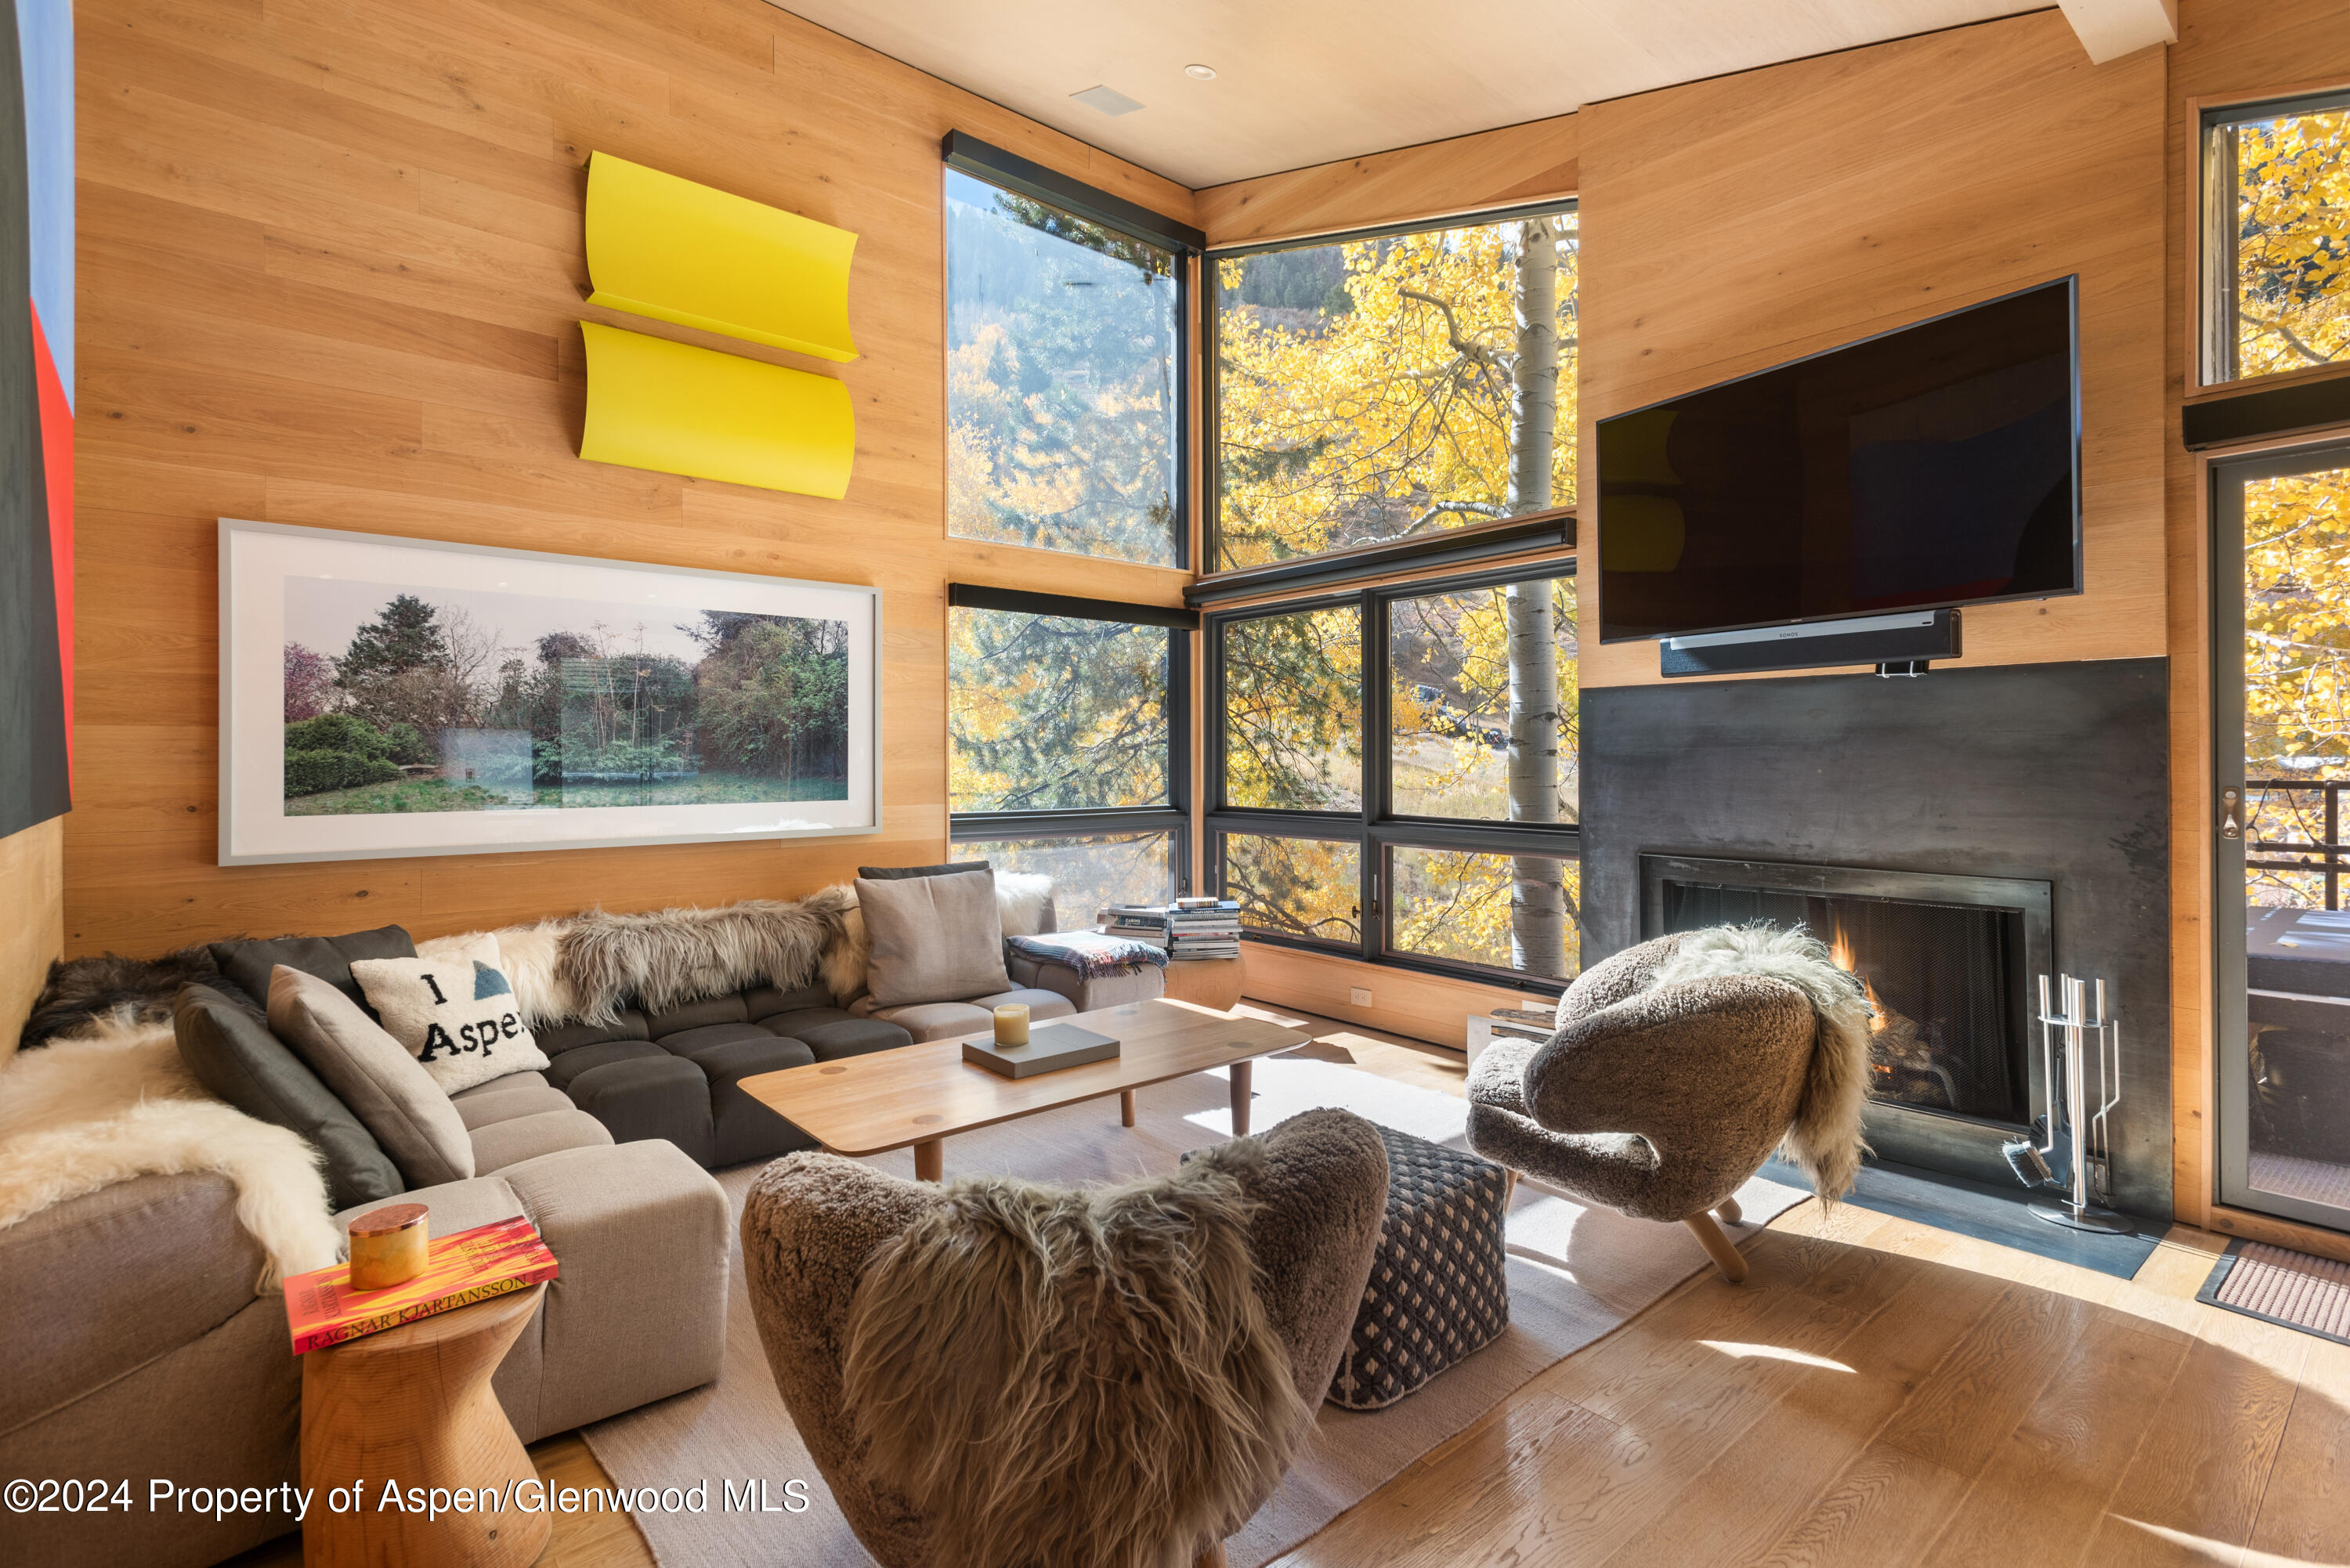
[(1876, 1393)]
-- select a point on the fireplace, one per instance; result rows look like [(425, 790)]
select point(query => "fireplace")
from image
[(1949, 964)]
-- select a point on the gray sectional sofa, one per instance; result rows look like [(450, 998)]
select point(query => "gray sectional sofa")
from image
[(137, 1347)]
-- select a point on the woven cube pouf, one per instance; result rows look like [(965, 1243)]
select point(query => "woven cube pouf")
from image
[(1438, 1293)]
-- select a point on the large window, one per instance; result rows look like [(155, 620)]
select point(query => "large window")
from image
[(1381, 385), (1451, 843), (1063, 408), (1068, 723), (2277, 237)]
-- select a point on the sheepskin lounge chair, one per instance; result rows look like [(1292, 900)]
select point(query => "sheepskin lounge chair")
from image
[(1678, 1066), (999, 1374)]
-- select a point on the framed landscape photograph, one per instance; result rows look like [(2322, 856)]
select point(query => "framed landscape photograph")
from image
[(388, 697)]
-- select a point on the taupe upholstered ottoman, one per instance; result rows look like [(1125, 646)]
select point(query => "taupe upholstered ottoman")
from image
[(1438, 1293)]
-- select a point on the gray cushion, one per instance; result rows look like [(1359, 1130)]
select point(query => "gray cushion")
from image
[(766, 1001), (247, 964), (374, 1075), (844, 1036), (111, 1280), (231, 1051), (500, 1085), (698, 1015), (903, 872), (656, 1096), (741, 1127), (558, 1038), (933, 938), (564, 1071), (503, 1144), (478, 1111)]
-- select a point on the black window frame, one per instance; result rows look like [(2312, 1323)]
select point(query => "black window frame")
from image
[(1174, 816), (1375, 828), (1453, 546), (966, 154)]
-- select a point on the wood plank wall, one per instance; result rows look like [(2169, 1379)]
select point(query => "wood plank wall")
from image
[(1736, 224), (2228, 51), (32, 932), (331, 265)]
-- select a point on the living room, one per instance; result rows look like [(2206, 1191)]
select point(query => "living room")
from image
[(825, 783)]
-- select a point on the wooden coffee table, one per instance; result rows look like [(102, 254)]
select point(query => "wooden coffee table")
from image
[(920, 1096)]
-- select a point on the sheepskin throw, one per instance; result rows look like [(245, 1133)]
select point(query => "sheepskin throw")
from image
[(1825, 1141), (119, 1103), (83, 994), (1080, 1377)]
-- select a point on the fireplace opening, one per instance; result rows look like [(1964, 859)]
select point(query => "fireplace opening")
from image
[(1945, 1033)]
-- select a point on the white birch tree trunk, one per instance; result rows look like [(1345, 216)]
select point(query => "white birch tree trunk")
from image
[(1538, 911)]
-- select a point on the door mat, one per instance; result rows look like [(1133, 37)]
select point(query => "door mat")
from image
[(2280, 1286)]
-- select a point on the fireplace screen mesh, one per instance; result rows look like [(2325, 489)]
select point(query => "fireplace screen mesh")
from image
[(1945, 980)]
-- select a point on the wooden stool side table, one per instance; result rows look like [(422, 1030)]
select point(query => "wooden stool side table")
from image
[(413, 1406)]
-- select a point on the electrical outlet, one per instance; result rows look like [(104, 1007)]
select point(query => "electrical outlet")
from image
[(1360, 995)]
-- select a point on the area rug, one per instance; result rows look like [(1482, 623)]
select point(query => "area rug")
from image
[(2282, 1286), (1574, 1273)]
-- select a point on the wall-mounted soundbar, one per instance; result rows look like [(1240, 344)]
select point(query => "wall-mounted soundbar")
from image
[(1896, 644)]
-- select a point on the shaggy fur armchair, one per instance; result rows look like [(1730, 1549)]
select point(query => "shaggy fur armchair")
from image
[(999, 1374), (1678, 1066)]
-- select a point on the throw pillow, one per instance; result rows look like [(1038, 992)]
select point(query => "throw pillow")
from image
[(935, 938), (247, 965), (231, 1051), (900, 873), (396, 1099), (456, 1014)]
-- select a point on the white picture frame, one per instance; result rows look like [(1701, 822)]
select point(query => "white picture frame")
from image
[(536, 646)]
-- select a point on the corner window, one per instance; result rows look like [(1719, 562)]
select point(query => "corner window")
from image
[(1450, 843), (1068, 725), (2276, 253), (1374, 386), (1064, 409)]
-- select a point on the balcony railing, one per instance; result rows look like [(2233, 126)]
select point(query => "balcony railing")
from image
[(2313, 807)]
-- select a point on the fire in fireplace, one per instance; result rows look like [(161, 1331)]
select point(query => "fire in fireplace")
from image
[(1946, 963)]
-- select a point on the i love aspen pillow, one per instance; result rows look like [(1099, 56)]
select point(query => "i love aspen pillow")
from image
[(455, 1015)]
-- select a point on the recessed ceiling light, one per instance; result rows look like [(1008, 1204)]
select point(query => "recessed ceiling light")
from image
[(1200, 73), (1107, 100)]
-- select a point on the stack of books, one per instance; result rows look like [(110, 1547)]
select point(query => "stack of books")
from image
[(1189, 929), (459, 1270)]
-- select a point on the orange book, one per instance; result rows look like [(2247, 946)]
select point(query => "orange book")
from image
[(459, 1270)]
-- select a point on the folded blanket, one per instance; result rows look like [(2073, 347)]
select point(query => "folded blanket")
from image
[(1091, 954)]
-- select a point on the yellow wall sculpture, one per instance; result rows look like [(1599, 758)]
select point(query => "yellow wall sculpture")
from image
[(676, 251), (676, 408)]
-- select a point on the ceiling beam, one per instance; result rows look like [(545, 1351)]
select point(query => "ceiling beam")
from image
[(2109, 29)]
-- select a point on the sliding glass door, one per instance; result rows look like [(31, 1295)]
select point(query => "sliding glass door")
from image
[(2281, 748)]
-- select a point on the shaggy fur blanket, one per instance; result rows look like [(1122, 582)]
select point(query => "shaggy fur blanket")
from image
[(85, 993), (581, 967), (117, 1103), (1825, 1141), (1083, 1377)]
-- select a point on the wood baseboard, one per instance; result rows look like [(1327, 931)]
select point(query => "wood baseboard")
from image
[(1430, 1007), (2314, 1240)]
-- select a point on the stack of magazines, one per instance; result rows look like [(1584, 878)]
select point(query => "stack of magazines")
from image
[(1188, 929)]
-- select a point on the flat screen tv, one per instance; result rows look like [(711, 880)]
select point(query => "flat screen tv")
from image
[(1935, 465)]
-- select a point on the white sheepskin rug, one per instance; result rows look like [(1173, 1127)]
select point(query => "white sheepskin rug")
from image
[(86, 1112), (1825, 1142)]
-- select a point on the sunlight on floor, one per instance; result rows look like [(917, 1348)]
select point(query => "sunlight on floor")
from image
[(2203, 1549), (1773, 1353)]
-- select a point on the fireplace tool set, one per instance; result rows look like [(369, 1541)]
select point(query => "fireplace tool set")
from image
[(2086, 1027)]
